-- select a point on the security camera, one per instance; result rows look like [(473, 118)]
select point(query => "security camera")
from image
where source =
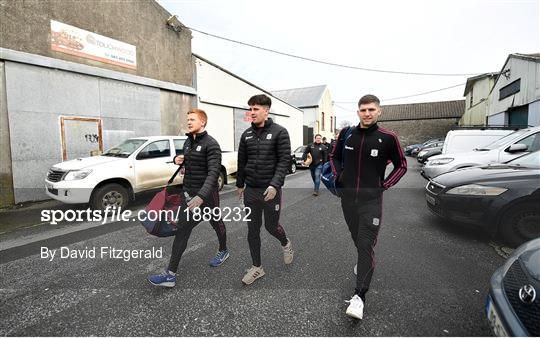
[(174, 23)]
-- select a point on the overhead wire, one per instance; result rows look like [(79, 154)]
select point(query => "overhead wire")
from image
[(327, 62)]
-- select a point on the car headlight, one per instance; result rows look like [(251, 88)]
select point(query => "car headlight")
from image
[(77, 175), (441, 161), (422, 153), (476, 190)]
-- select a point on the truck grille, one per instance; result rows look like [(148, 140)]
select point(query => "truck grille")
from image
[(55, 175), (528, 314)]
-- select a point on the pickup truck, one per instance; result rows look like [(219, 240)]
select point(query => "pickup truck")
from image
[(113, 178)]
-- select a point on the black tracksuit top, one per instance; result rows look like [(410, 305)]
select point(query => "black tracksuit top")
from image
[(365, 156), (202, 162), (319, 153), (264, 156)]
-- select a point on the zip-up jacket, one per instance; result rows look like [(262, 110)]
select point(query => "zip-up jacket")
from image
[(264, 156), (365, 155), (202, 162), (319, 153)]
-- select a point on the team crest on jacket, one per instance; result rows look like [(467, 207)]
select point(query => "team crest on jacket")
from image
[(269, 136), (374, 152), (199, 148)]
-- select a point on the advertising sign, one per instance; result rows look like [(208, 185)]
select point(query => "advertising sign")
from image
[(75, 41)]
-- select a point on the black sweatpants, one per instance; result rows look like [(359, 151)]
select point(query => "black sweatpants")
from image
[(184, 232), (364, 218), (254, 199)]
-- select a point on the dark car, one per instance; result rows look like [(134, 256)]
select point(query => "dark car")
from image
[(292, 167), (502, 198), (408, 150), (513, 302), (433, 144), (297, 154), (425, 154)]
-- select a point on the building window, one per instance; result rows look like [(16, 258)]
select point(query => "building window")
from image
[(509, 89), (471, 98), (322, 121)]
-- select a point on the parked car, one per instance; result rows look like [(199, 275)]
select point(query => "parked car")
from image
[(417, 150), (502, 198), (413, 149), (292, 168), (513, 302), (501, 150), (113, 178), (425, 154), (298, 153)]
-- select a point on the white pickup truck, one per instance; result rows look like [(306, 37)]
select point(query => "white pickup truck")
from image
[(113, 178)]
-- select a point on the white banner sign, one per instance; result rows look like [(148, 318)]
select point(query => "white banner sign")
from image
[(79, 42)]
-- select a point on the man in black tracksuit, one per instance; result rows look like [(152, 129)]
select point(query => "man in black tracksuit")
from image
[(202, 163), (263, 161), (319, 155), (365, 154)]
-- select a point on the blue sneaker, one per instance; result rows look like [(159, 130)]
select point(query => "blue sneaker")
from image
[(219, 258), (166, 278)]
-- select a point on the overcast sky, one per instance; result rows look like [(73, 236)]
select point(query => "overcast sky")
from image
[(450, 37)]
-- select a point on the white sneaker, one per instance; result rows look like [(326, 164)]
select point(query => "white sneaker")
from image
[(355, 269), (356, 307), (253, 274), (288, 252)]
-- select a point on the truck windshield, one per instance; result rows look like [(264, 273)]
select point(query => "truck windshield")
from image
[(125, 148)]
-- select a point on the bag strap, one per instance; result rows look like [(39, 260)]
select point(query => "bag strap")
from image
[(345, 137), (174, 175)]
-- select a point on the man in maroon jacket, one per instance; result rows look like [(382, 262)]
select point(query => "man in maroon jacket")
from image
[(360, 162)]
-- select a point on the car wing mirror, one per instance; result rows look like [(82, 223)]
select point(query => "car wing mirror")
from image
[(518, 147)]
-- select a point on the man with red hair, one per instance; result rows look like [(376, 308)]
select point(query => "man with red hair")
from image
[(202, 162)]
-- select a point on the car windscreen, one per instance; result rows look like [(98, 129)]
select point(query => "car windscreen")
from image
[(529, 160), (125, 148), (463, 143), (505, 139)]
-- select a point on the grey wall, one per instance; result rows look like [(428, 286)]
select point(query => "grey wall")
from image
[(162, 53), (498, 120), (173, 107), (417, 131), (37, 97), (534, 113), (6, 182)]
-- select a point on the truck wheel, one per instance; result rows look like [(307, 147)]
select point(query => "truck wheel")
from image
[(293, 167), (520, 224), (110, 195), (221, 180)]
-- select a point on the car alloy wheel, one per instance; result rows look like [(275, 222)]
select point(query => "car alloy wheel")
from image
[(112, 199)]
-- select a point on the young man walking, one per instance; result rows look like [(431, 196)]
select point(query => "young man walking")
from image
[(319, 155), (263, 161), (202, 162), (365, 154)]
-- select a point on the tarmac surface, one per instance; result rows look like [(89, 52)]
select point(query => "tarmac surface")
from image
[(431, 278)]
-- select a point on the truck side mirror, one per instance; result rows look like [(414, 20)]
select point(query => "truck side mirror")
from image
[(516, 148)]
